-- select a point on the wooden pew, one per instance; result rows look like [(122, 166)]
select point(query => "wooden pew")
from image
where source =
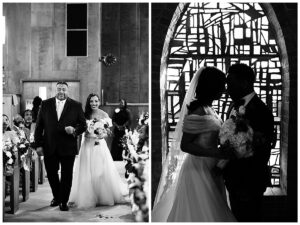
[(14, 188), (25, 184), (34, 174), (42, 171)]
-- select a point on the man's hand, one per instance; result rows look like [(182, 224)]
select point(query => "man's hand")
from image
[(228, 152), (39, 151), (70, 130)]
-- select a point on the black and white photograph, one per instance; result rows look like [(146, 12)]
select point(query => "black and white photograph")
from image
[(75, 112), (224, 112)]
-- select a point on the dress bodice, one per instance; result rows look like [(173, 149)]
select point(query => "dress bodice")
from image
[(206, 128)]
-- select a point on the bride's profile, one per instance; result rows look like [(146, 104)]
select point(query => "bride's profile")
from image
[(96, 179), (189, 189)]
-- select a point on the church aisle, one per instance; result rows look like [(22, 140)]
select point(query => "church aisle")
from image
[(37, 209)]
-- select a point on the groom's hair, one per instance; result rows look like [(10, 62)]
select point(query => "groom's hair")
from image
[(62, 82), (243, 71)]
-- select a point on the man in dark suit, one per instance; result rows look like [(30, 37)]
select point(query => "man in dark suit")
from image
[(246, 179), (60, 121)]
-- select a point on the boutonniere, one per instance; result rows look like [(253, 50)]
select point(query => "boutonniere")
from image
[(242, 110), (117, 110)]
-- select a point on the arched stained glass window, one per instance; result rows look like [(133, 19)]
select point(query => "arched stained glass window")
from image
[(222, 34)]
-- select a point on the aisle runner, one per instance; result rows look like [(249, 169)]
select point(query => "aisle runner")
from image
[(37, 209)]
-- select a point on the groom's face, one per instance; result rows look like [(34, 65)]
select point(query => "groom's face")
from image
[(61, 92), (235, 87)]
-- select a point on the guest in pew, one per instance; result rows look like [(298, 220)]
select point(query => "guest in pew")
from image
[(29, 124), (121, 120), (7, 133), (19, 127), (37, 101), (27, 115)]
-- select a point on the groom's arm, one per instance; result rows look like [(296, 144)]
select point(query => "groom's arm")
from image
[(188, 145)]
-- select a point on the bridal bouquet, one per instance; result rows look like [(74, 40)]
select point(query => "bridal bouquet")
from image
[(9, 157), (99, 128), (25, 153), (236, 133)]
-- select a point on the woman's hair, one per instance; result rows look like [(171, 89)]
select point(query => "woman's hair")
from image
[(8, 128), (125, 102), (18, 119), (37, 101), (27, 110), (88, 109), (211, 84)]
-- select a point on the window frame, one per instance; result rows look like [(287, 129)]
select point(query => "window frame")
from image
[(66, 30), (281, 179)]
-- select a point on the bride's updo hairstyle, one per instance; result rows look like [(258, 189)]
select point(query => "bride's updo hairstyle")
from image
[(211, 84), (88, 109)]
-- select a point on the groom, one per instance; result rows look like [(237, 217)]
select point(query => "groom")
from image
[(60, 121), (246, 179)]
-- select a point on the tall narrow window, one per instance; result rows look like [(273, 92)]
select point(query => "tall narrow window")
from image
[(222, 34), (77, 29)]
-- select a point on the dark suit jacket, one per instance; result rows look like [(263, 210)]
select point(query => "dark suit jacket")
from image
[(50, 133), (252, 173)]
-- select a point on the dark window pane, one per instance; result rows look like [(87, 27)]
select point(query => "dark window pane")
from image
[(76, 16), (76, 43)]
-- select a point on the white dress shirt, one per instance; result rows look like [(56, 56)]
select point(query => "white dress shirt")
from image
[(247, 99), (59, 107)]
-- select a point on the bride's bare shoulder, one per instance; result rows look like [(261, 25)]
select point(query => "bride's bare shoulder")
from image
[(102, 114)]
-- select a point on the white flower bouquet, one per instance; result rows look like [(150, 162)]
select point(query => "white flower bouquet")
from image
[(25, 153), (99, 128), (136, 153), (9, 157), (236, 134)]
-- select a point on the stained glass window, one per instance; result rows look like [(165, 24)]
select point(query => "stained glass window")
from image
[(222, 34)]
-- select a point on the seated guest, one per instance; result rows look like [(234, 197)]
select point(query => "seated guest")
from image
[(27, 115), (121, 120), (37, 101), (19, 127), (8, 134)]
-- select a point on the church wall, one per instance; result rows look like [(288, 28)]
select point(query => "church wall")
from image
[(35, 50)]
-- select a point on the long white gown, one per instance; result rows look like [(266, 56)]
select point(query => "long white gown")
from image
[(199, 194), (96, 180)]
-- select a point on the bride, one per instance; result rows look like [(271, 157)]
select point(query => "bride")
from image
[(96, 180), (190, 190)]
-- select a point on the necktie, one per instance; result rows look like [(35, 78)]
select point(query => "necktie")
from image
[(238, 103), (59, 109)]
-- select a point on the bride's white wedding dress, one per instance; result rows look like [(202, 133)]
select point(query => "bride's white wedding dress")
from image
[(96, 180), (199, 195), (189, 189)]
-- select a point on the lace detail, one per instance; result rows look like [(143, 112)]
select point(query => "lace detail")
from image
[(173, 162)]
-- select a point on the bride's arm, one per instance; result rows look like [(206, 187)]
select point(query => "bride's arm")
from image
[(188, 145)]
